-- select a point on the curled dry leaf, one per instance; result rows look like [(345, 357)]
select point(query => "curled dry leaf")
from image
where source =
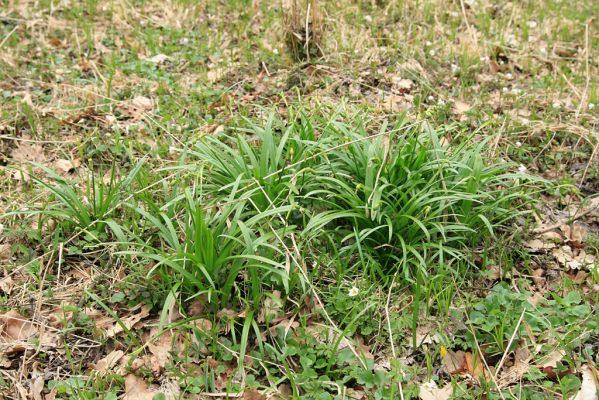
[(475, 366), (402, 84), (328, 335), (137, 107), (424, 335), (138, 389), (129, 322), (6, 285), (453, 361), (590, 381), (37, 387), (567, 258), (108, 362), (159, 58), (15, 327), (16, 330), (161, 346), (66, 166), (537, 245), (578, 234), (394, 103), (460, 108), (430, 391), (28, 152), (253, 394), (552, 236), (522, 358)]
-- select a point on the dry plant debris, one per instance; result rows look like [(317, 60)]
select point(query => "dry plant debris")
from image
[(88, 89)]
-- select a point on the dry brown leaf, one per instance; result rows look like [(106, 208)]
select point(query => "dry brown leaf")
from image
[(4, 361), (37, 386), (538, 245), (15, 327), (552, 236), (394, 103), (589, 387), (66, 166), (552, 359), (328, 335), (475, 366), (108, 362), (129, 322), (454, 361), (253, 394), (5, 252), (430, 391), (402, 84), (578, 234), (6, 285), (142, 103), (161, 347), (28, 152), (138, 389), (565, 256), (423, 336), (522, 358), (159, 58), (460, 108)]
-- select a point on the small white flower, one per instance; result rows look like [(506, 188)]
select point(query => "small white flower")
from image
[(429, 43), (522, 168), (441, 102), (454, 69), (368, 19), (431, 98), (432, 52), (532, 24), (509, 75), (353, 292), (556, 104), (516, 91), (505, 89), (591, 106), (275, 51), (543, 51), (518, 144), (184, 41)]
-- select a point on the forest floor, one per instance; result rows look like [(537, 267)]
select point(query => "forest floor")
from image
[(188, 211)]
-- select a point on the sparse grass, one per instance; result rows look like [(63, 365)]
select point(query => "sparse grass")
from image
[(330, 228)]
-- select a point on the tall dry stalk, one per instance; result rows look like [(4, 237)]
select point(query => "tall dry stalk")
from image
[(303, 29)]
